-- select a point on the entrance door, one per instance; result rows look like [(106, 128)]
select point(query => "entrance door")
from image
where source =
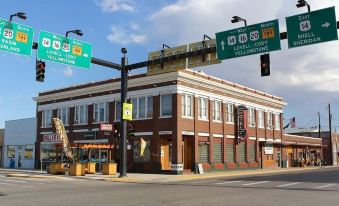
[(164, 154), (188, 152), (290, 160)]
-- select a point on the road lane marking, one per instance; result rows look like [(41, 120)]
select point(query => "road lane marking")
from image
[(289, 184), (203, 181), (4, 183), (17, 181), (227, 182), (324, 186), (255, 183)]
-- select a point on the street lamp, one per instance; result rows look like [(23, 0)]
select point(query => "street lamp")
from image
[(21, 15), (302, 3), (237, 19), (77, 32)]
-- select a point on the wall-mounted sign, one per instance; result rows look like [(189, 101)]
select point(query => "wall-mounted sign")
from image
[(177, 167), (90, 135), (241, 123), (51, 138), (106, 127), (268, 149)]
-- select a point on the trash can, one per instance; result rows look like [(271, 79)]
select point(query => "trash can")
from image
[(12, 163)]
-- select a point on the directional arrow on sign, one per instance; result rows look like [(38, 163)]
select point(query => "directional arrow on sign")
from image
[(222, 45), (326, 24)]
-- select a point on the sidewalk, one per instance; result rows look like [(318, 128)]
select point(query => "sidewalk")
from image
[(139, 177)]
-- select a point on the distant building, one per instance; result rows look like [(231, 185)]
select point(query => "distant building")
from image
[(1, 146), (19, 143), (330, 149)]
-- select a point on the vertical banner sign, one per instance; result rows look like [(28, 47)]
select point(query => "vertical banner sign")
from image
[(16, 38), (61, 132), (127, 111), (242, 123), (312, 27), (254, 39), (57, 48)]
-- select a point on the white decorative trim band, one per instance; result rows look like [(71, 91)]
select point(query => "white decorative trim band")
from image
[(143, 133), (203, 134), (218, 135), (165, 132), (187, 133), (261, 139), (252, 138), (230, 136)]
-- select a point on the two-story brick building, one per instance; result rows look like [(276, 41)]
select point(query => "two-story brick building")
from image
[(186, 118)]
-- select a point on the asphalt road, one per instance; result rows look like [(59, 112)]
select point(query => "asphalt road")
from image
[(307, 188)]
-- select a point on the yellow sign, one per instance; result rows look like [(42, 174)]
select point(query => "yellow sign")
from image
[(21, 37), (127, 111)]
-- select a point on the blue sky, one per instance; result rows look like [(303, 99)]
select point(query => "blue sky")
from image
[(307, 78)]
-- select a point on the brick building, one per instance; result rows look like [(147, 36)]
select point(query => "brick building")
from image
[(186, 118)]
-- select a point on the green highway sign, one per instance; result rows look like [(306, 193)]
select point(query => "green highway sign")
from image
[(253, 39), (312, 27), (57, 48), (16, 38)]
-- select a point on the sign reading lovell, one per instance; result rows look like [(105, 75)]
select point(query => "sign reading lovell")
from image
[(57, 48), (253, 39), (312, 27), (15, 38)]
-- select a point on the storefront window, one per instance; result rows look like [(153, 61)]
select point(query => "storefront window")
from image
[(28, 154), (10, 151), (49, 153)]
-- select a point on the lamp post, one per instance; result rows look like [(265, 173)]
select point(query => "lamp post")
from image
[(20, 15), (76, 31), (237, 19), (302, 3)]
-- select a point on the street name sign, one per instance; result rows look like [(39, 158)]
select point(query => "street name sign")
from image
[(57, 48), (16, 38), (253, 39), (312, 27)]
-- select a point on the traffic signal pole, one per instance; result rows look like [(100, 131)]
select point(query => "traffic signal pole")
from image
[(124, 68)]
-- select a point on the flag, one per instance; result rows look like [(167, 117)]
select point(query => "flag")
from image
[(287, 125), (142, 146), (293, 123), (60, 130)]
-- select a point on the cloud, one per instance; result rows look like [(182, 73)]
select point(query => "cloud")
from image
[(115, 5), (68, 71), (121, 36)]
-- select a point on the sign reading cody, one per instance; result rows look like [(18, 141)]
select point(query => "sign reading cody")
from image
[(242, 123)]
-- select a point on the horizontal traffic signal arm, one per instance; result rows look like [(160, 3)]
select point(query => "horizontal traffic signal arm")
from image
[(203, 51)]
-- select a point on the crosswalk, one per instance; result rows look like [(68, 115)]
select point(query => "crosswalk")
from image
[(265, 184)]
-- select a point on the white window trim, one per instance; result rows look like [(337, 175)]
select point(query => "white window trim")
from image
[(226, 113), (105, 113), (267, 115), (67, 115), (200, 117), (184, 113), (275, 122), (85, 115), (146, 108), (43, 118), (214, 109), (161, 115), (253, 117), (262, 118)]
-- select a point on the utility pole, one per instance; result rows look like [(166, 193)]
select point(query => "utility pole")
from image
[(330, 130)]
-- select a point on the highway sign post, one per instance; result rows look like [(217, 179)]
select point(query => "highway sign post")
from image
[(253, 39), (57, 48), (312, 27), (16, 38)]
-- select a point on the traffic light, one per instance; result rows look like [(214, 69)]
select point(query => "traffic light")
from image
[(265, 64), (130, 131), (40, 71)]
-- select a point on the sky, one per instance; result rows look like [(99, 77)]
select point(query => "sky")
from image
[(307, 78)]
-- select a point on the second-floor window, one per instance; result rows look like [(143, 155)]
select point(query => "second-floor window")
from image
[(230, 113), (276, 121), (100, 112), (166, 105), (117, 110), (203, 106), (251, 117), (46, 120), (269, 120), (63, 115), (260, 119), (187, 105), (81, 114), (142, 107), (216, 111)]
